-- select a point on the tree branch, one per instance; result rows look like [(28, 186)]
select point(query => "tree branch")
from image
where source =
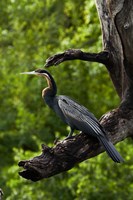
[(65, 154), (73, 54), (104, 57)]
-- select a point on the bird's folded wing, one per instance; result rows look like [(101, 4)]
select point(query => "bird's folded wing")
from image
[(79, 117), (78, 107)]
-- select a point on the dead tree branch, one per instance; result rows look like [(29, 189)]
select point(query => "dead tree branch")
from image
[(73, 54), (65, 154)]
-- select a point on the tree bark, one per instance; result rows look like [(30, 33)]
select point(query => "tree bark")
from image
[(65, 154), (73, 54), (116, 17)]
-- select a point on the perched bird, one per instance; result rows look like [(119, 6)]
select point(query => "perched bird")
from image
[(75, 115)]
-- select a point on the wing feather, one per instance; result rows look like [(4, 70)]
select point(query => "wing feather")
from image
[(77, 106), (79, 117)]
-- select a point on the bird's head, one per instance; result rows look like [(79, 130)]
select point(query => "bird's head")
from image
[(46, 75), (39, 72)]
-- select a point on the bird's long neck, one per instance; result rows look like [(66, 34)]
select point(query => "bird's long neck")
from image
[(49, 92)]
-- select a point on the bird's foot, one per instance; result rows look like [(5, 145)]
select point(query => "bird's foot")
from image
[(56, 141), (69, 137)]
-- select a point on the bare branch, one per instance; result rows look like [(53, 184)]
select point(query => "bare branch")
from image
[(73, 54), (104, 57), (62, 157)]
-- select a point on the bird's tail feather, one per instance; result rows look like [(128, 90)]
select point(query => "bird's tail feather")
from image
[(111, 150)]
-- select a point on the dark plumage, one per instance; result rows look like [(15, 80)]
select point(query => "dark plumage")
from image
[(75, 115)]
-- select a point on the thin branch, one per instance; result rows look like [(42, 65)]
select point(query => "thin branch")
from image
[(73, 54), (65, 154), (104, 57)]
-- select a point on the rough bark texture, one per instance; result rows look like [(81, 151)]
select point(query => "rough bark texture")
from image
[(116, 18), (73, 54), (69, 152)]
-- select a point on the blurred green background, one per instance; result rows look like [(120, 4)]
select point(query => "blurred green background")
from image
[(30, 32)]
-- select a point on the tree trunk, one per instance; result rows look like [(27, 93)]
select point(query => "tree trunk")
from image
[(116, 17), (117, 28)]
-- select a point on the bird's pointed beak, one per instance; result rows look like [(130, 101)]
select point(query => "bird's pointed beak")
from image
[(32, 72)]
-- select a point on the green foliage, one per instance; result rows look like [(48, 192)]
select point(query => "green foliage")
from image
[(30, 32)]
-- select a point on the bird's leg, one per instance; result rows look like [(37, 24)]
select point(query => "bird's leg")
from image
[(70, 133)]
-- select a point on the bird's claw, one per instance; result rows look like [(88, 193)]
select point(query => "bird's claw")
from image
[(69, 137)]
